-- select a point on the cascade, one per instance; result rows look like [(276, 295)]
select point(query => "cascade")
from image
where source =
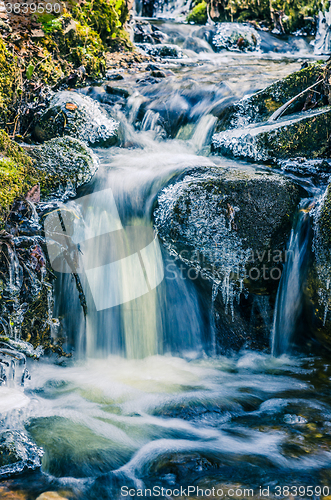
[(289, 295)]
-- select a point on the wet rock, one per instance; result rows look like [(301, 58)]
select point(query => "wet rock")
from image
[(197, 45), (232, 227), (161, 50), (303, 134), (72, 114), (158, 74), (114, 76), (118, 91), (263, 104), (63, 165), (17, 453), (172, 113), (236, 37), (51, 495)]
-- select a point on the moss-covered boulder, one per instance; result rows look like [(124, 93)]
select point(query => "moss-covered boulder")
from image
[(231, 226), (263, 104), (318, 288), (75, 115), (63, 164), (198, 15), (17, 174), (304, 134)]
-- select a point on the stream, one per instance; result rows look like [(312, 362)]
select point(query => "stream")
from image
[(147, 400)]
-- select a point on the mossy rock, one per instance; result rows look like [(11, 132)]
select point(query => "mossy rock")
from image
[(9, 82), (17, 453), (17, 174), (231, 226), (198, 15), (318, 287), (63, 164), (304, 134), (75, 115), (261, 105)]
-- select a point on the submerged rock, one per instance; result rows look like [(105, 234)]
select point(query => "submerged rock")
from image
[(63, 165), (79, 116), (232, 227), (17, 453), (236, 37), (303, 134), (261, 105), (161, 50)]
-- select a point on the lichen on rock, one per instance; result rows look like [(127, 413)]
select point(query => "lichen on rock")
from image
[(63, 164), (304, 134), (75, 115)]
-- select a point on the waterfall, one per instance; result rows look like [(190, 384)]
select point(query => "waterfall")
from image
[(322, 45), (289, 295)]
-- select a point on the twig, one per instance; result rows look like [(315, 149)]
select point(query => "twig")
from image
[(280, 111)]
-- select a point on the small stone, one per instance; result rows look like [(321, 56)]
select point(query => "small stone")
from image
[(51, 495), (37, 34), (71, 106), (158, 74)]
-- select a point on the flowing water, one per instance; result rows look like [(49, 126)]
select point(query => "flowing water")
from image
[(147, 400)]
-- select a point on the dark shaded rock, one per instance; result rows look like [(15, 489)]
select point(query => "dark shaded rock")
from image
[(158, 74), (63, 165), (119, 91), (149, 80), (144, 32), (232, 226), (161, 50), (114, 76), (303, 134), (263, 104), (76, 115)]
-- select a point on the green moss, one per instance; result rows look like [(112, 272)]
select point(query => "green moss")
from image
[(17, 174), (72, 44), (198, 14), (260, 106), (8, 82)]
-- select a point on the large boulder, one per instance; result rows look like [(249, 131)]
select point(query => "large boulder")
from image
[(232, 227), (63, 164), (73, 114), (261, 105), (304, 134)]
